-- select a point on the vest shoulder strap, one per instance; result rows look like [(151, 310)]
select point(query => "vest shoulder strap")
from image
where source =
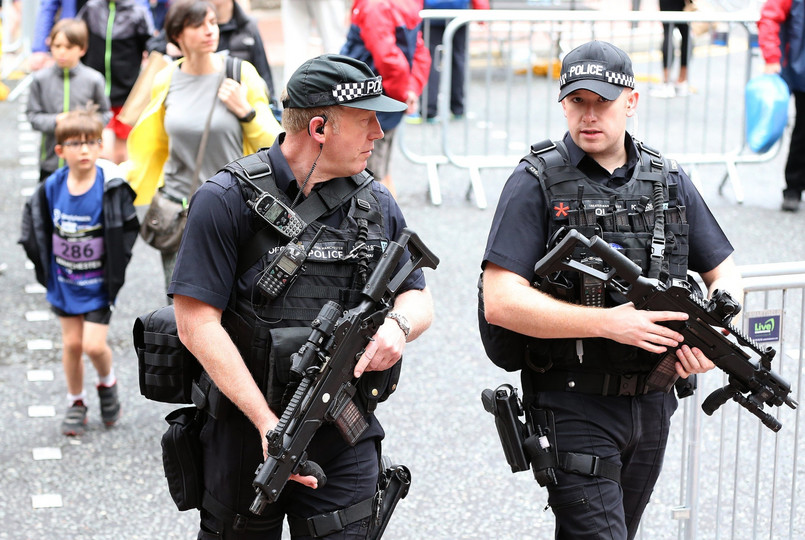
[(255, 171), (655, 166), (255, 175), (544, 155)]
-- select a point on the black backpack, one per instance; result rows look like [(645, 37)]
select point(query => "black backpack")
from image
[(506, 348)]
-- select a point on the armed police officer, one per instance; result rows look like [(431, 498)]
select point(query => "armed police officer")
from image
[(589, 352), (243, 327)]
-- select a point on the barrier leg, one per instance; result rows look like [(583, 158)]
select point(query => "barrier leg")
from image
[(433, 182), (735, 181), (477, 188)]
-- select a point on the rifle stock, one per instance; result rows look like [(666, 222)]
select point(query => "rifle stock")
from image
[(325, 364), (751, 384)]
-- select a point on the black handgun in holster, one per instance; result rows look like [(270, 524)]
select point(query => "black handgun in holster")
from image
[(393, 485), (524, 442)]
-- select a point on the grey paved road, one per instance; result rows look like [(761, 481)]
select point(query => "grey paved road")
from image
[(110, 482)]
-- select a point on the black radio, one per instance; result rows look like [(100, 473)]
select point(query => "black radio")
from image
[(591, 288), (278, 215), (285, 267)]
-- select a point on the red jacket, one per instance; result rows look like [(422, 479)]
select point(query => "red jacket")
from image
[(379, 22), (772, 17), (781, 36)]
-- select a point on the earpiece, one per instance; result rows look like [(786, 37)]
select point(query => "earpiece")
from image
[(320, 129)]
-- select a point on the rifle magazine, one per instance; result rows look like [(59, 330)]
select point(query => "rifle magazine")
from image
[(664, 375), (350, 422)]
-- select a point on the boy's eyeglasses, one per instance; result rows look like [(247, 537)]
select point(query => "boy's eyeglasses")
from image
[(79, 144)]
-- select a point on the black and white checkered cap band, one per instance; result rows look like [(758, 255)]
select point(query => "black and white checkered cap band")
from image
[(621, 79), (595, 71), (346, 92)]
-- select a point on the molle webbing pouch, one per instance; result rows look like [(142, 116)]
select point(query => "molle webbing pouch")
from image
[(166, 368)]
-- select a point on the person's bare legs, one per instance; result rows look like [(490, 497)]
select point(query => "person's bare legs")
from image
[(72, 331), (75, 418), (96, 347), (683, 75)]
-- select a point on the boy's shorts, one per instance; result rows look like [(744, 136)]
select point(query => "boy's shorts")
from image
[(121, 130), (98, 316)]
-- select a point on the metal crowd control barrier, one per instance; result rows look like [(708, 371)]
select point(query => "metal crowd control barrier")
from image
[(20, 47), (736, 479), (512, 86)]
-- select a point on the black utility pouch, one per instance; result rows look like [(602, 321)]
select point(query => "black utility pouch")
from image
[(376, 386), (167, 369), (181, 457), (285, 342)]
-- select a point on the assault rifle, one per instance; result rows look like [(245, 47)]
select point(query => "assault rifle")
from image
[(324, 366), (751, 384)]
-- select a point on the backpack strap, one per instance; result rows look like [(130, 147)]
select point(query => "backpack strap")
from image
[(233, 67)]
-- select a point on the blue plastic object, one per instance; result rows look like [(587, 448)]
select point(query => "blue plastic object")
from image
[(767, 98), (447, 4)]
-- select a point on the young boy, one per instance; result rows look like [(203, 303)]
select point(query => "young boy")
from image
[(66, 85), (78, 229), (118, 32)]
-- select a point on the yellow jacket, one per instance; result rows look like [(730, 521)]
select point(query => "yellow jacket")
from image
[(148, 142)]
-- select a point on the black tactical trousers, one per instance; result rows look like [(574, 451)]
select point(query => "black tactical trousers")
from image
[(795, 166), (629, 431), (352, 474), (458, 66)]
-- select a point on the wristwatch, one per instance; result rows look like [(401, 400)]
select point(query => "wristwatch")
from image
[(249, 116), (401, 321)]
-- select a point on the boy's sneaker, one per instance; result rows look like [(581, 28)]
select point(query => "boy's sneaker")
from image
[(75, 420), (110, 405)]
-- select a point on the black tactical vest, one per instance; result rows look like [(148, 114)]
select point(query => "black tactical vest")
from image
[(268, 332), (626, 218)]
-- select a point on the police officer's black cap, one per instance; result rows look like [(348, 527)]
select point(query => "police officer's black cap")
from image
[(333, 79), (596, 66)]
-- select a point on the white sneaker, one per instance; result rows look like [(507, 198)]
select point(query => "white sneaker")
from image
[(663, 91), (682, 89)]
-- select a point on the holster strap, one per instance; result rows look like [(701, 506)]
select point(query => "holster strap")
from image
[(318, 526), (600, 384), (589, 465)]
